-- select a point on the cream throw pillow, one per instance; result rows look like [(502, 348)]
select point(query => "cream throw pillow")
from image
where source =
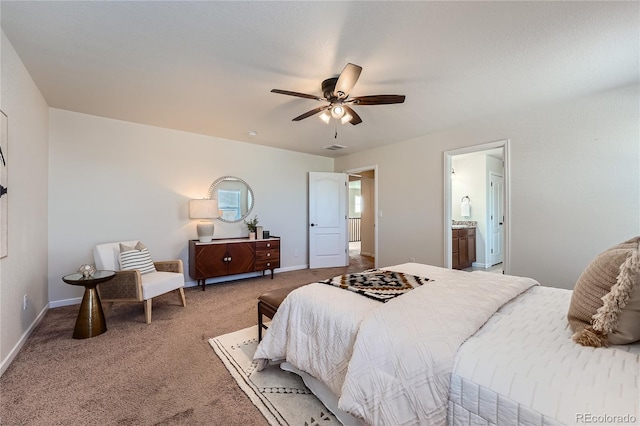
[(137, 257), (605, 306)]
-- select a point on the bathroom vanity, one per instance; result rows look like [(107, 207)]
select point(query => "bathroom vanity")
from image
[(463, 243)]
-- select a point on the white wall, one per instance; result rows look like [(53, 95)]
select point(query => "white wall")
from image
[(112, 180), (24, 270), (575, 184)]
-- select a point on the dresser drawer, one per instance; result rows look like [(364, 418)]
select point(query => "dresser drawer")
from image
[(267, 254), (273, 254), (261, 265), (267, 245)]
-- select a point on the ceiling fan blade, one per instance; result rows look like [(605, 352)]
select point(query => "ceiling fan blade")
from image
[(378, 99), (348, 78), (310, 113), (355, 117), (300, 95)]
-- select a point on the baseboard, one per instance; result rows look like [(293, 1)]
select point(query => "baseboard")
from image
[(480, 265), (242, 276), (65, 302), (364, 253), (292, 268), (12, 354)]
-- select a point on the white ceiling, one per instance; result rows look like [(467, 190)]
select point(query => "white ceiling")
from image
[(208, 67)]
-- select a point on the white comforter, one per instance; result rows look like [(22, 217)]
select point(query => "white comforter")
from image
[(389, 363)]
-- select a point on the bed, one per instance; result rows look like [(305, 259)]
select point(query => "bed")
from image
[(463, 348)]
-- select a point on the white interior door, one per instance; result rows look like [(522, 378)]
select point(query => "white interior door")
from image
[(328, 245), (496, 218)]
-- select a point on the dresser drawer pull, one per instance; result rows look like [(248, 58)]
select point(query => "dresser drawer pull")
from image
[(268, 264), (268, 254), (268, 244)]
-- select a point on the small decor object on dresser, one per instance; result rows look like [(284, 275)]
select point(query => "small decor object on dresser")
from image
[(252, 225), (259, 232)]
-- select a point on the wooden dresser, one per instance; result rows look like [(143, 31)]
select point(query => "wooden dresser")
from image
[(463, 244), (232, 256)]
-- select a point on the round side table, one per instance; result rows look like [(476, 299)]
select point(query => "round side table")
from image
[(90, 321)]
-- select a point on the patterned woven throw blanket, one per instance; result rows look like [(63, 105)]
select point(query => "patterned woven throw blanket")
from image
[(377, 284)]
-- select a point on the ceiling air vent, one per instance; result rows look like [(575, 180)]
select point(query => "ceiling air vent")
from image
[(334, 147)]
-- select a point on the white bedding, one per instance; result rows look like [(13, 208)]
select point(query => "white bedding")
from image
[(388, 363), (522, 367)]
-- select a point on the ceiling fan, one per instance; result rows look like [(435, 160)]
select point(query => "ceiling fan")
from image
[(336, 91)]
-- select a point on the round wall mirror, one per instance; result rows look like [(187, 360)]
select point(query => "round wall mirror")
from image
[(235, 198)]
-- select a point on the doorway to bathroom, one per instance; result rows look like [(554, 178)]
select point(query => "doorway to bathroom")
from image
[(477, 202)]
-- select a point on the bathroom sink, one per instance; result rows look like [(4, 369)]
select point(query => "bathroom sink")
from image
[(459, 226)]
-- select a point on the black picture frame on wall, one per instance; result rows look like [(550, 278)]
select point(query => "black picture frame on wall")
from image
[(4, 192)]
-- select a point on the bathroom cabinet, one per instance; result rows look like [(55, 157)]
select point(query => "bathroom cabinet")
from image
[(463, 243)]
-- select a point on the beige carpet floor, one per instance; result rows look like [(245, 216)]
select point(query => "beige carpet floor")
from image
[(164, 373)]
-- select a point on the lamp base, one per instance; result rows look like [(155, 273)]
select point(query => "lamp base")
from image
[(205, 231)]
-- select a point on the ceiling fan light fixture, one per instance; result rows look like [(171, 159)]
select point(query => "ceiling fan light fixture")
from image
[(325, 116), (346, 118), (336, 92), (337, 111)]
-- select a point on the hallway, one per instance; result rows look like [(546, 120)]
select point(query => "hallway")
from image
[(358, 262)]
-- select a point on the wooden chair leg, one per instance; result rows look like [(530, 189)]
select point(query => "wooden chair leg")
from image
[(106, 307), (147, 311), (182, 298)]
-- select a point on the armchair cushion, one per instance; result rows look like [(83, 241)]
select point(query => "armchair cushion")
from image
[(157, 283), (137, 257)]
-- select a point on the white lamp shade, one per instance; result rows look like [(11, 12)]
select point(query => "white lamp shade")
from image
[(346, 118), (203, 209), (325, 116)]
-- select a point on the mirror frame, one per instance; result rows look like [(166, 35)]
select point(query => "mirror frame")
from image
[(212, 190)]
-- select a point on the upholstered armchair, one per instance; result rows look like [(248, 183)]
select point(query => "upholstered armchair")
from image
[(133, 283)]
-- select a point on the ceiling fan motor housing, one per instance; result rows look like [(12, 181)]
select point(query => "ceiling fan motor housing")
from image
[(328, 86)]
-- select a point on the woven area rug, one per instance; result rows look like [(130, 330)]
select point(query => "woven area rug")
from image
[(280, 396)]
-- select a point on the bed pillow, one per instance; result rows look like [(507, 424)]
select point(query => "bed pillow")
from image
[(605, 306), (137, 257)]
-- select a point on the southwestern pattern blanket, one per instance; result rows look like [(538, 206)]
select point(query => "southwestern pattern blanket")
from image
[(377, 284)]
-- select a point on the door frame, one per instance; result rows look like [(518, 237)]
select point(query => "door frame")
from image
[(488, 241), (375, 207), (505, 145)]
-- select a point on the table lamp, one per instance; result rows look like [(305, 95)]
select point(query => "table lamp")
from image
[(204, 209)]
